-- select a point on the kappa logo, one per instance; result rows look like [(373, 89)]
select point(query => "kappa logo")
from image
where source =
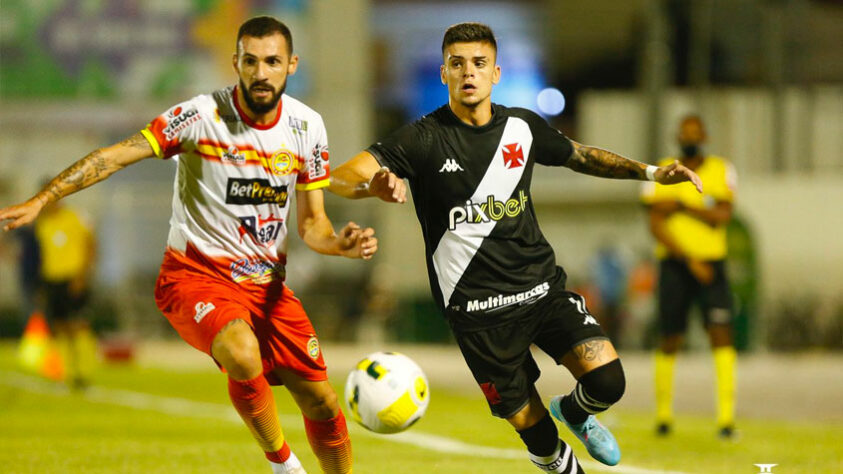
[(202, 310), (450, 166), (513, 155), (580, 304), (765, 468)]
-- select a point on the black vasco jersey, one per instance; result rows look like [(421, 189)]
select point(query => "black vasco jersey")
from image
[(487, 259)]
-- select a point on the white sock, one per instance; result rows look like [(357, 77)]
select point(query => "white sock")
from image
[(291, 466), (561, 461)]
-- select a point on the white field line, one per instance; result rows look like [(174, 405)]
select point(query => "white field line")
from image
[(194, 409)]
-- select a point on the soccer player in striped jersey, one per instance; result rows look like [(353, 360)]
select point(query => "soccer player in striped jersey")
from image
[(242, 151), (494, 276)]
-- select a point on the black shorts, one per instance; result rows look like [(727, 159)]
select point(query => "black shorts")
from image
[(678, 290), (500, 357), (61, 304)]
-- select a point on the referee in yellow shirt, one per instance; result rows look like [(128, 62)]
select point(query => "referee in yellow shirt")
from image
[(67, 259), (690, 230)]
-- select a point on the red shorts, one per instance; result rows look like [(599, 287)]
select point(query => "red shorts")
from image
[(199, 304)]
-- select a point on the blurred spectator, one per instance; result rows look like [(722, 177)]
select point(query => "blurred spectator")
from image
[(29, 269), (609, 274), (640, 303), (68, 248)]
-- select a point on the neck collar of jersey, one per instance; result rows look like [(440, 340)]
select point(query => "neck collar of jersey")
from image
[(478, 128), (251, 122)]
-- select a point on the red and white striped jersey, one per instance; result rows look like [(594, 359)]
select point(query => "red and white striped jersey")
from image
[(235, 181)]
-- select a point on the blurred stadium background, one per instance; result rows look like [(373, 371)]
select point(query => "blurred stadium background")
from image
[(766, 75)]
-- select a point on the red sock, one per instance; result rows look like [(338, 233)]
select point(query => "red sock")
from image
[(281, 455), (254, 402), (330, 443)]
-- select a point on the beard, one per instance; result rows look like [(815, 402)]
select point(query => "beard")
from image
[(260, 108)]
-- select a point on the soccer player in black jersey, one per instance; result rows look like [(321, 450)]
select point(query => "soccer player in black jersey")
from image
[(469, 165)]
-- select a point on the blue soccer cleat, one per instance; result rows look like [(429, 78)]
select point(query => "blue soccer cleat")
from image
[(598, 440)]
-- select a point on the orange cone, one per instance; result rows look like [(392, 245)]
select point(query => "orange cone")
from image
[(37, 352)]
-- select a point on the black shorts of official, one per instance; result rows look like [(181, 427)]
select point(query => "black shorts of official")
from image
[(679, 290), (61, 303), (500, 357)]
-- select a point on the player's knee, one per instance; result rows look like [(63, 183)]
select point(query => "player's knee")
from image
[(720, 335), (606, 383), (236, 348), (323, 405)]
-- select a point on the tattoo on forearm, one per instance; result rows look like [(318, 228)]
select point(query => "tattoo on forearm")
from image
[(604, 163), (136, 141), (83, 173), (590, 351)]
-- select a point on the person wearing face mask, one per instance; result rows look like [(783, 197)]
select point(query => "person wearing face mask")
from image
[(690, 233)]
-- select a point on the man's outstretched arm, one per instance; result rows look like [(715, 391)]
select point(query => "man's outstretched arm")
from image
[(362, 176), (93, 168), (599, 162)]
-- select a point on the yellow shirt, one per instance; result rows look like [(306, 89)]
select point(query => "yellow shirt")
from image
[(696, 238), (65, 245)]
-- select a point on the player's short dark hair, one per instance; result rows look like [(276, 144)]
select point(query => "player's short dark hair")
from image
[(469, 32), (261, 26)]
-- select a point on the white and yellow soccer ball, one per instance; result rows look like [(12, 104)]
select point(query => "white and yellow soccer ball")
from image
[(387, 392)]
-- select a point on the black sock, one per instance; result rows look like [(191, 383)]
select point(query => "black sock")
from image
[(542, 438), (562, 462), (571, 411), (595, 392)]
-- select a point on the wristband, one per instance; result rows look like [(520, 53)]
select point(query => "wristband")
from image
[(651, 172)]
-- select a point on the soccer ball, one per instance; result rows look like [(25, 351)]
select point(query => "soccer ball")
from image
[(387, 392)]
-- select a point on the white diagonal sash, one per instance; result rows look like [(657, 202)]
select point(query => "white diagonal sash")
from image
[(457, 247)]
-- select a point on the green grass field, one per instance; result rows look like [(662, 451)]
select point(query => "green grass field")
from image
[(142, 420)]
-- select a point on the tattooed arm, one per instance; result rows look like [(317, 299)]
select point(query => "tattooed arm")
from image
[(599, 162), (98, 165)]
